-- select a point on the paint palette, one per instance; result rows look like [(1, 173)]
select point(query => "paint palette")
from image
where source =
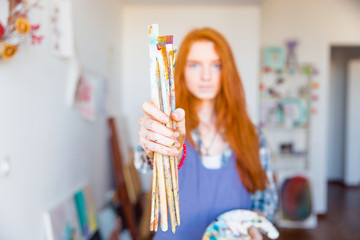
[(234, 225)]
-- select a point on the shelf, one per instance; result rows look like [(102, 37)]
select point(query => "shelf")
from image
[(290, 155), (286, 164), (282, 128), (283, 161), (284, 103), (273, 99)]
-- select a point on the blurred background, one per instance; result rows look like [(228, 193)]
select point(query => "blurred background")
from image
[(73, 77)]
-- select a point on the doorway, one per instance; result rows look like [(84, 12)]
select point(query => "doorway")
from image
[(338, 161)]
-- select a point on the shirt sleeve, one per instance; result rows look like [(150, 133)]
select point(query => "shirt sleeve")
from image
[(140, 161), (266, 201)]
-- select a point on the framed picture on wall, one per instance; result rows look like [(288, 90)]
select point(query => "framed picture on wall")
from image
[(274, 57)]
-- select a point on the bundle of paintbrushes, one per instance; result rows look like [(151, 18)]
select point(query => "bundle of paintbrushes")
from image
[(165, 192)]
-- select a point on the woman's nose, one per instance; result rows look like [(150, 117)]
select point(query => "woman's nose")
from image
[(206, 73)]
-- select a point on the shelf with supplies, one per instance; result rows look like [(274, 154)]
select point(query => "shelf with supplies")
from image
[(286, 104), (285, 100)]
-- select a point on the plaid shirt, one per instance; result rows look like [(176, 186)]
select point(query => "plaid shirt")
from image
[(264, 201)]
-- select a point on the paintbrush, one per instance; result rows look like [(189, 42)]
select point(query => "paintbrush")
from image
[(153, 32), (165, 93), (171, 94)]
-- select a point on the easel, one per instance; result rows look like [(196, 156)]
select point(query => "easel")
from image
[(128, 211)]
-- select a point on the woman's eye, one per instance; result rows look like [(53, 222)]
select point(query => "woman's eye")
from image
[(193, 65), (217, 65)]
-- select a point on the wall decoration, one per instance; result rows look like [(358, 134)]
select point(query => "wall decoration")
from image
[(295, 195), (266, 69), (296, 198), (307, 69), (61, 222), (62, 36), (274, 58), (86, 212), (303, 91), (293, 112), (85, 96), (288, 112), (73, 218), (15, 27), (291, 59), (315, 71), (261, 86), (314, 98), (268, 114), (315, 85)]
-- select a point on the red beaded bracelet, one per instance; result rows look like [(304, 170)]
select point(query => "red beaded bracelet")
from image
[(183, 156)]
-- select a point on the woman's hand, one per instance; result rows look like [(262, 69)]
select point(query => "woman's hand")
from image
[(156, 137), (254, 234)]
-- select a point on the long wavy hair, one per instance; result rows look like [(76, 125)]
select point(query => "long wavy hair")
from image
[(230, 108)]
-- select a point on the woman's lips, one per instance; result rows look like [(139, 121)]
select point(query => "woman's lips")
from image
[(205, 88)]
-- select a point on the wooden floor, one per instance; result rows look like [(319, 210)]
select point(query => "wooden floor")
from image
[(342, 221)]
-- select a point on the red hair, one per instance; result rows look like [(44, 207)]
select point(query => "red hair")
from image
[(230, 108)]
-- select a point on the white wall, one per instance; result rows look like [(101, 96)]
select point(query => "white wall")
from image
[(317, 25), (352, 163), (53, 150), (239, 24)]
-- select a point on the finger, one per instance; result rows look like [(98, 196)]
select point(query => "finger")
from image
[(149, 129), (141, 136), (254, 234), (178, 115), (158, 138), (155, 147), (149, 160), (150, 109), (157, 127), (179, 118), (141, 120), (147, 151)]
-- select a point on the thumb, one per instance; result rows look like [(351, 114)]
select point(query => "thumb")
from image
[(178, 116), (254, 233)]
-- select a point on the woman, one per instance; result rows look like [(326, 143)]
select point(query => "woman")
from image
[(223, 169)]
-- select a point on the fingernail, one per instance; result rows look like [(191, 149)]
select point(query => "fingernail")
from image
[(179, 113), (176, 114), (176, 134), (177, 144)]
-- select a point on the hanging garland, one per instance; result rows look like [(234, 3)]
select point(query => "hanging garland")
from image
[(18, 29)]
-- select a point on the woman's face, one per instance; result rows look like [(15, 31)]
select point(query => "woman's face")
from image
[(203, 70)]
